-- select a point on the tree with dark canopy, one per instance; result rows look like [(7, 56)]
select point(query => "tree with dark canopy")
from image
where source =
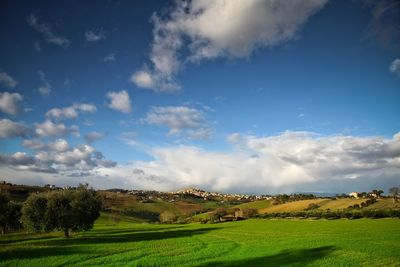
[(10, 213), (65, 210)]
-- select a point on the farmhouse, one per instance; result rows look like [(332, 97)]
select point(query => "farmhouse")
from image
[(354, 194)]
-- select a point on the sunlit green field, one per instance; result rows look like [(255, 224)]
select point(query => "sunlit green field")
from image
[(245, 243)]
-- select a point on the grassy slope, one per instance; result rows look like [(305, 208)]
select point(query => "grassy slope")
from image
[(292, 206), (259, 204), (386, 203), (245, 243), (332, 204)]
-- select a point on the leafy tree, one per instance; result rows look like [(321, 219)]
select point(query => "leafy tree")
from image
[(394, 191), (71, 209), (34, 212), (377, 192), (10, 213)]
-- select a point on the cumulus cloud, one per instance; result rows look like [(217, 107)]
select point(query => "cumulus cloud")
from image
[(95, 35), (59, 145), (119, 101), (93, 136), (71, 112), (57, 157), (45, 30), (10, 103), (211, 29), (180, 119), (7, 81), (51, 129), (291, 161), (395, 67), (10, 129)]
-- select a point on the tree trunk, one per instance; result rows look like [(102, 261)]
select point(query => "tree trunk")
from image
[(3, 229), (66, 232)]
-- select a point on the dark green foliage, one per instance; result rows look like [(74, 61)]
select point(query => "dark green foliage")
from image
[(10, 213), (72, 209), (347, 214), (34, 212), (284, 198)]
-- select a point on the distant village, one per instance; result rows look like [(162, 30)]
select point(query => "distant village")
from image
[(151, 195)]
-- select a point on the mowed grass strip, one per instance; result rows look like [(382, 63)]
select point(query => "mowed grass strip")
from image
[(245, 243)]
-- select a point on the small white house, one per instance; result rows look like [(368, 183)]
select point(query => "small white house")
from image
[(353, 194)]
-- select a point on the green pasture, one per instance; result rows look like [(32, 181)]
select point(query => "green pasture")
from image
[(362, 242)]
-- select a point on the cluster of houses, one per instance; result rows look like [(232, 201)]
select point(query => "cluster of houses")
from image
[(145, 196), (373, 194), (213, 195)]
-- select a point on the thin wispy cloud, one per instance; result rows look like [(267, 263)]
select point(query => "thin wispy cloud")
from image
[(395, 67), (7, 81), (95, 35), (45, 88), (47, 33), (94, 136), (110, 57), (180, 119)]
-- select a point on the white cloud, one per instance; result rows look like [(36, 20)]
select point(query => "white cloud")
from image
[(59, 145), (110, 57), (46, 31), (10, 103), (10, 129), (292, 161), (49, 128), (45, 88), (211, 29), (57, 157), (71, 112), (180, 119), (93, 136), (395, 67), (143, 79), (7, 81), (95, 35), (120, 101)]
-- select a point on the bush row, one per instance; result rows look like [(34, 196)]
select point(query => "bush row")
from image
[(349, 214)]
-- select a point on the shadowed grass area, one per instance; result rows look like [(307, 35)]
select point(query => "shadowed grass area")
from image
[(300, 257), (244, 243)]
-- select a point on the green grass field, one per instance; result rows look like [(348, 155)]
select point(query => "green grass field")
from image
[(245, 243)]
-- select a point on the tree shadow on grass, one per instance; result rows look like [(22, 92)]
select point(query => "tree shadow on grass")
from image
[(68, 246), (38, 252), (128, 237), (299, 257)]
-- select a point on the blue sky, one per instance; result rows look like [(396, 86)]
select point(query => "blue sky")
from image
[(250, 96)]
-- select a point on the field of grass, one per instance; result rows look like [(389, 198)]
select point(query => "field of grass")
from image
[(293, 206), (245, 243), (325, 204), (259, 204)]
